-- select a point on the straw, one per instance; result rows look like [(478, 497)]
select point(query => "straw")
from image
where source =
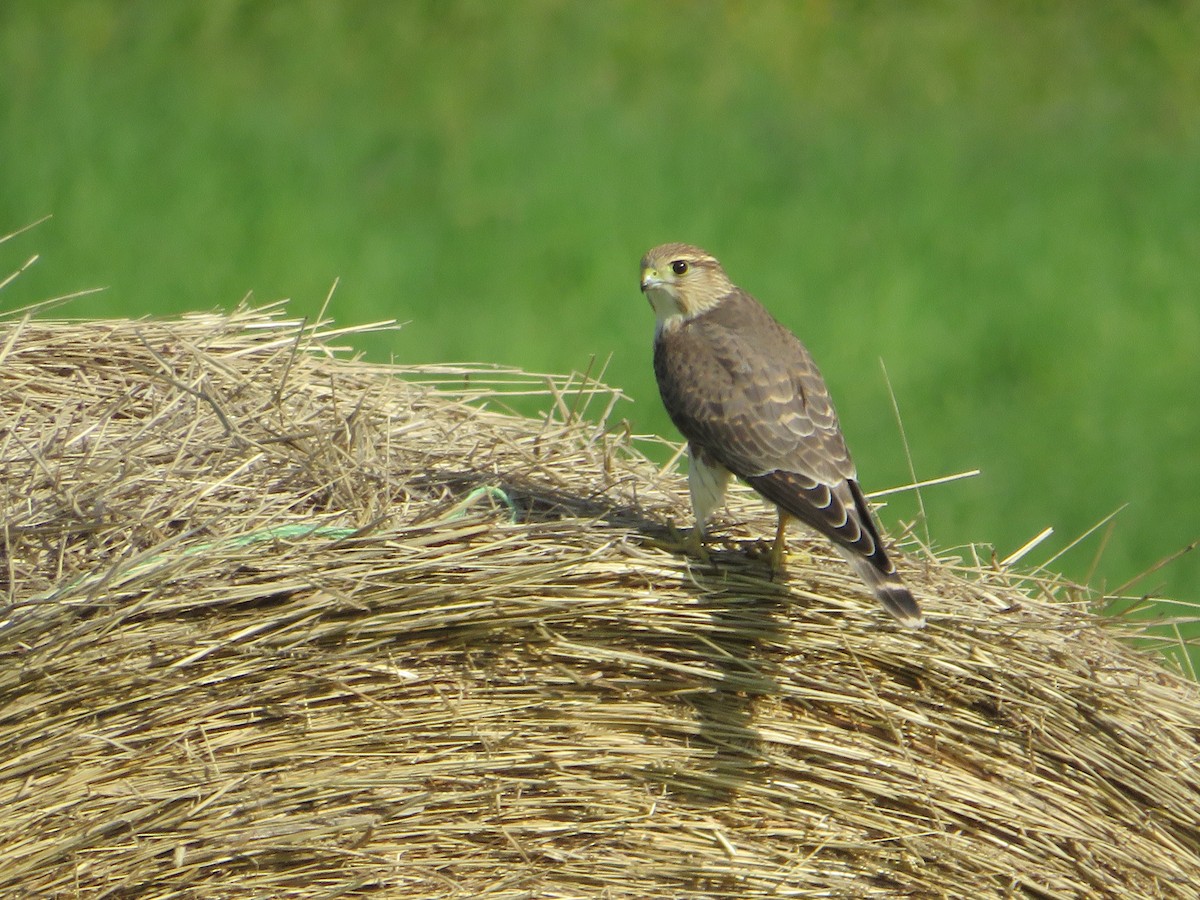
[(280, 623)]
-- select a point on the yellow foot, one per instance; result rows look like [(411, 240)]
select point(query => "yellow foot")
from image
[(692, 545), (695, 544), (779, 548), (778, 557)]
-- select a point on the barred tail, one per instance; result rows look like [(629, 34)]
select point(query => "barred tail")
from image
[(887, 588)]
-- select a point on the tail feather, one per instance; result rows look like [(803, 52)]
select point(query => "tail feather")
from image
[(888, 589)]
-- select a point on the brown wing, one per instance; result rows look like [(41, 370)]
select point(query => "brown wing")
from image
[(746, 392)]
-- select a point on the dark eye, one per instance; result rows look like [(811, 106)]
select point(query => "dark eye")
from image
[(679, 267)]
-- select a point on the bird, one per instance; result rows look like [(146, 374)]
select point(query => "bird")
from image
[(747, 396)]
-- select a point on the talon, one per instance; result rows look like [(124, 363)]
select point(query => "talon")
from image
[(691, 545)]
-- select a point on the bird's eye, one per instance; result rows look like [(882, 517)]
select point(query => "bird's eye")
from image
[(679, 267)]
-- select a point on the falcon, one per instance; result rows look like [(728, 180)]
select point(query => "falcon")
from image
[(749, 399)]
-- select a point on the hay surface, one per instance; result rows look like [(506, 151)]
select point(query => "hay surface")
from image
[(272, 630)]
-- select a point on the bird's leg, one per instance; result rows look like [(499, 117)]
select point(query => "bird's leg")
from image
[(707, 481), (779, 548), (695, 543)]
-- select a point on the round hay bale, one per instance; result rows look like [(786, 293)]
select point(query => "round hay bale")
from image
[(279, 623)]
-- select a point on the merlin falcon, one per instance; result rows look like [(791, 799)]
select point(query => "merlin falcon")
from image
[(749, 399)]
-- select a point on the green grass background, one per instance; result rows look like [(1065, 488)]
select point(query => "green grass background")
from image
[(1000, 200)]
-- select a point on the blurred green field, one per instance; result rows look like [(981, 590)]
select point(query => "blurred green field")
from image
[(1001, 201)]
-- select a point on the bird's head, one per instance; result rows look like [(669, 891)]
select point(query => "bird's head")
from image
[(682, 281)]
